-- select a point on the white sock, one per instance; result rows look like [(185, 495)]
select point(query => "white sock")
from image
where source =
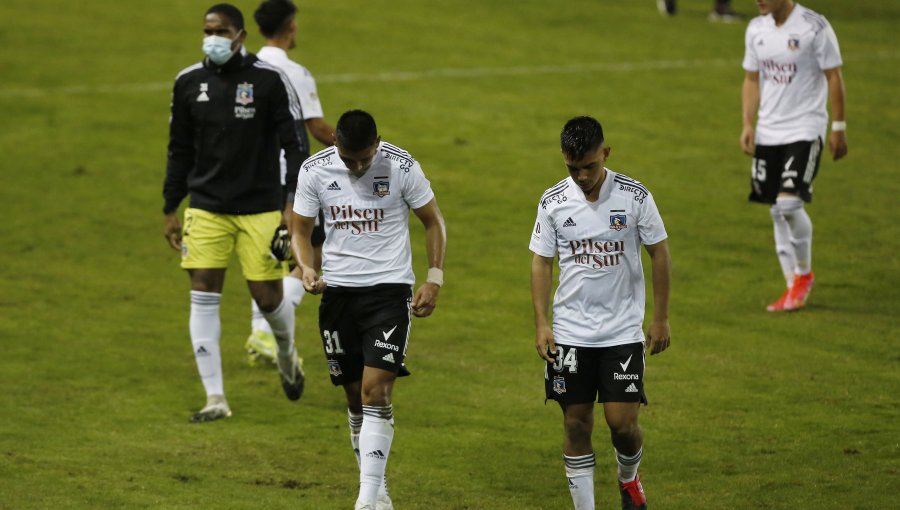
[(628, 466), (257, 321), (282, 322), (375, 437), (801, 231), (355, 422), (206, 329), (293, 290), (580, 473), (783, 247)]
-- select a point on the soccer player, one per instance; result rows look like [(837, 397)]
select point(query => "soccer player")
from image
[(366, 188), (277, 23), (792, 66), (722, 11), (595, 221), (230, 116)]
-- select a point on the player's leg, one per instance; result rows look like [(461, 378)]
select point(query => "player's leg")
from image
[(568, 381), (801, 167), (622, 393), (765, 182), (207, 243), (263, 274)]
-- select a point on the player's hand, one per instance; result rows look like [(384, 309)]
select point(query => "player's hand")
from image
[(280, 247), (172, 231), (837, 144), (425, 300), (545, 344), (658, 337), (747, 140), (311, 281)]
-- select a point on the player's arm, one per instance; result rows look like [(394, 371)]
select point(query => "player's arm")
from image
[(541, 276), (426, 295), (837, 139), (749, 107), (178, 164), (661, 267), (321, 131), (301, 228)]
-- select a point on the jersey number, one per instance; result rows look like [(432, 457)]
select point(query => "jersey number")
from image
[(758, 169), (566, 359), (332, 342)]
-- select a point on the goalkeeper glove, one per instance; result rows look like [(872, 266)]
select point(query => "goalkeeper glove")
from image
[(281, 243)]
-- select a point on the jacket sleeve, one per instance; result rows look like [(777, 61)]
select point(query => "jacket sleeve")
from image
[(181, 151), (291, 132)]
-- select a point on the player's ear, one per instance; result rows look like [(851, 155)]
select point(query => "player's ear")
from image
[(606, 151)]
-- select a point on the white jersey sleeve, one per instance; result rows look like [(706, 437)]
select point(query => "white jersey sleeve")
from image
[(415, 187), (751, 59), (543, 237), (828, 53), (650, 224), (306, 199), (305, 85)]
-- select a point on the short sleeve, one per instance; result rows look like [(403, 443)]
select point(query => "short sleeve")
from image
[(306, 200), (543, 236), (751, 61), (305, 85), (416, 188), (650, 224), (828, 53)]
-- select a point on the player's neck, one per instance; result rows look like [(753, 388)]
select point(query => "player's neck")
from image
[(594, 194), (284, 43), (782, 14)]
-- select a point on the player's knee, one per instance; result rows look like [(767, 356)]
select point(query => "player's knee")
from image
[(623, 428), (579, 427), (788, 204), (776, 213)]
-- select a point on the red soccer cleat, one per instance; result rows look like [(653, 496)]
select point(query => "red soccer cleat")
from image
[(633, 495), (781, 304), (800, 290)]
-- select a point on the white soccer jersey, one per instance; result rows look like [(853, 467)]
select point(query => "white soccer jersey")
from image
[(366, 218), (791, 60), (302, 81), (600, 298)]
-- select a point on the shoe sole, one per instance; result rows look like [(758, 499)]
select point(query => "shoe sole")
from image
[(208, 417)]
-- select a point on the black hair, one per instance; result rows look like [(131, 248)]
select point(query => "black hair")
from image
[(580, 136), (356, 130), (272, 16), (229, 11)]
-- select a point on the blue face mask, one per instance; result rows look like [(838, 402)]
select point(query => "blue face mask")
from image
[(218, 48)]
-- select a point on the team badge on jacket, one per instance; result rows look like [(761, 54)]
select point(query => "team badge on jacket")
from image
[(617, 221), (244, 94), (382, 188), (794, 43)]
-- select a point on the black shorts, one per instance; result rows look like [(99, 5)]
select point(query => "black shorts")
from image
[(364, 326), (318, 233), (787, 168), (605, 374)]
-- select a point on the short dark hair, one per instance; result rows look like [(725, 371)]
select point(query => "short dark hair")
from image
[(229, 11), (356, 130), (272, 16), (580, 136)]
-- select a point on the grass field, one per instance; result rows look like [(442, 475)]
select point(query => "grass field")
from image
[(748, 410)]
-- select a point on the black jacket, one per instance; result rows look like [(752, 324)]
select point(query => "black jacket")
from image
[(227, 127)]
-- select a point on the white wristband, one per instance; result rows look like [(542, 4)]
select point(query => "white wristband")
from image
[(839, 125), (435, 276)]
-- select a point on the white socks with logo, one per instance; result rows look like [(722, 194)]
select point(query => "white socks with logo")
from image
[(293, 293), (580, 474), (801, 231), (375, 437), (206, 330), (628, 465), (783, 247), (282, 322)]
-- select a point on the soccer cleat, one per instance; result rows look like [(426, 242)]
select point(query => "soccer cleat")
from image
[(779, 306), (293, 383), (260, 346), (384, 503), (799, 292), (216, 408), (633, 495)]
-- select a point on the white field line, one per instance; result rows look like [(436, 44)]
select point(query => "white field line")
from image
[(399, 76)]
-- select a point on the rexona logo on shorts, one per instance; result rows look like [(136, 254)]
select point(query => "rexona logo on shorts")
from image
[(625, 377), (383, 345)]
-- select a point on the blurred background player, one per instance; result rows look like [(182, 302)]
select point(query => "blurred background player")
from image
[(595, 222), (722, 11), (278, 25), (792, 66), (367, 188), (230, 116)]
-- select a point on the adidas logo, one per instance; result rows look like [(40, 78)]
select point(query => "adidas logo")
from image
[(569, 222), (376, 454), (334, 186), (631, 388), (202, 351), (389, 357)]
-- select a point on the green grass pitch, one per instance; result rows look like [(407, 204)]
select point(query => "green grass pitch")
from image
[(748, 410)]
